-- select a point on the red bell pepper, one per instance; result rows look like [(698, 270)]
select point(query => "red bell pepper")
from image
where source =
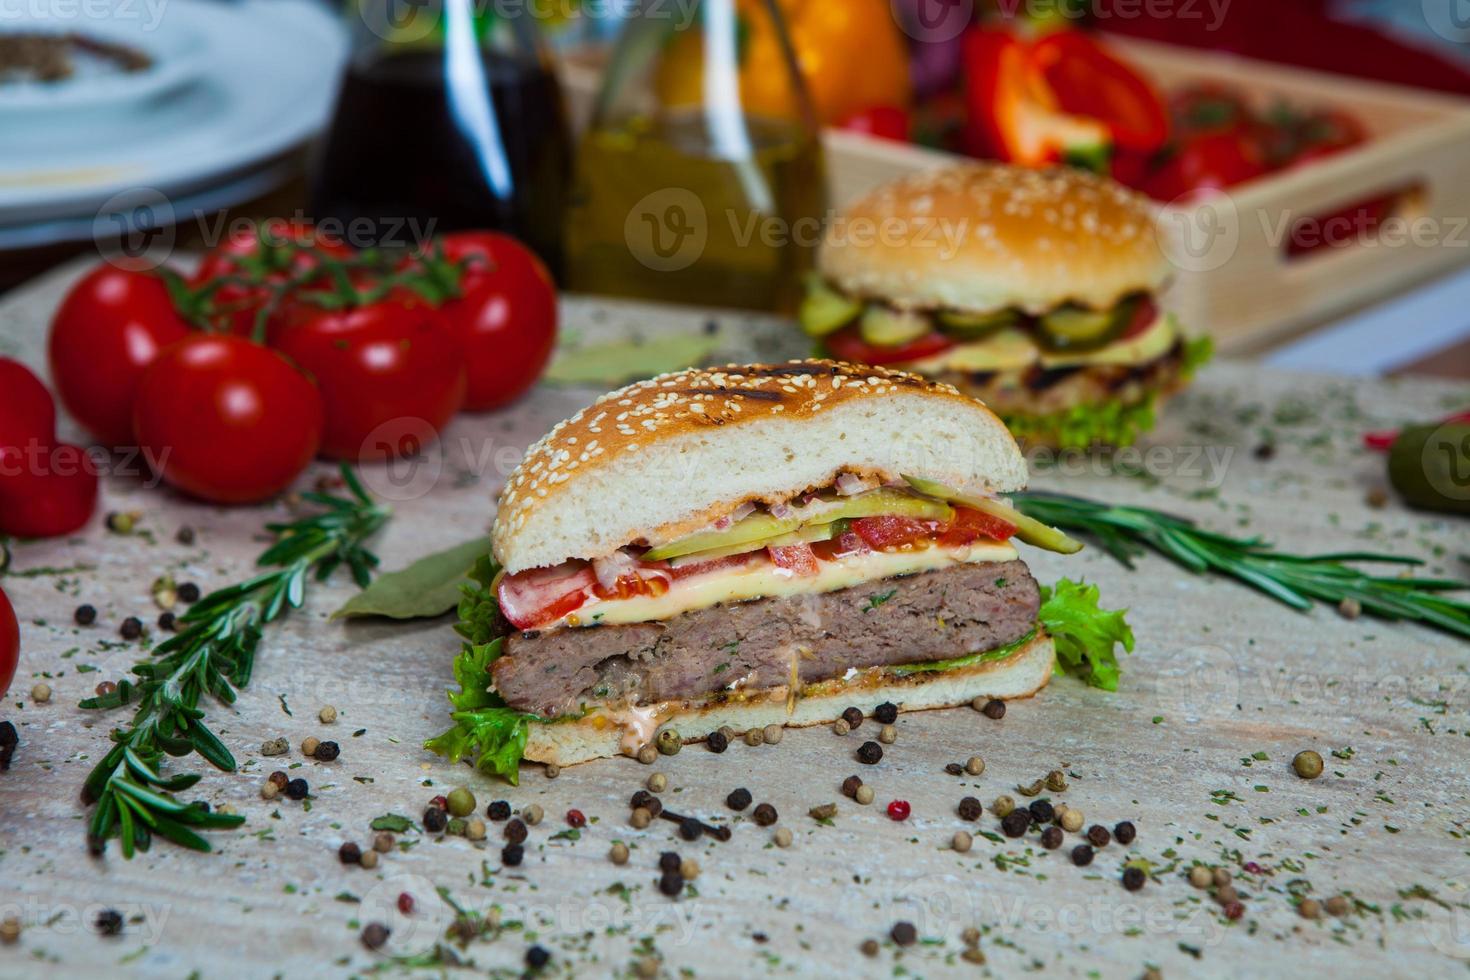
[(1014, 114), (1087, 80)]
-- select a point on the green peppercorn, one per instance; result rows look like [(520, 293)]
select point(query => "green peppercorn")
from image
[(1307, 764), (668, 742), (461, 802), (1003, 806)]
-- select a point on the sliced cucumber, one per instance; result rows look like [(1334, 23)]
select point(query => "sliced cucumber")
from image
[(973, 326), (1075, 328), (824, 310), (763, 528), (1028, 529), (883, 326)]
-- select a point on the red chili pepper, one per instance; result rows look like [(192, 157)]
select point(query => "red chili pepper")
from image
[(405, 903), (576, 819), (1382, 440), (898, 810)]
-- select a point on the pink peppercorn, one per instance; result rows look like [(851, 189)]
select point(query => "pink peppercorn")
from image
[(576, 819), (1252, 867), (898, 810), (405, 903), (441, 802)]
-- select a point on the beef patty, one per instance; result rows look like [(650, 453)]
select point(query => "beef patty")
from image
[(752, 645)]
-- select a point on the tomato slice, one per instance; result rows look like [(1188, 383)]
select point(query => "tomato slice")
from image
[(689, 570), (845, 545), (541, 596), (1145, 312), (1088, 81), (972, 525), (891, 532), (797, 559), (848, 344)]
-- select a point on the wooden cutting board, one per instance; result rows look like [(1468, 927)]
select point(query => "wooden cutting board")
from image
[(1195, 749)]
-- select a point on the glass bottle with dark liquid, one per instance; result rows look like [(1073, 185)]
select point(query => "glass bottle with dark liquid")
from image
[(449, 117)]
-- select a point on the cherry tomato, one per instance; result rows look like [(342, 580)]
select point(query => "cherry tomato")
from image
[(391, 375), (887, 122), (1208, 163), (848, 344), (1326, 133), (1208, 107), (109, 328), (27, 413), (890, 531), (227, 420), (796, 559), (268, 251), (49, 491), (9, 643), (505, 318)]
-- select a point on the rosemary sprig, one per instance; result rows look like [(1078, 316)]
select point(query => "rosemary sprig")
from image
[(1296, 580), (213, 654)]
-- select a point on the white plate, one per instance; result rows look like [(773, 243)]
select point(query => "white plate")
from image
[(172, 44), (270, 75)]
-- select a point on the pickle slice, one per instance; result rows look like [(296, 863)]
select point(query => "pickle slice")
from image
[(1074, 328), (824, 310), (973, 326), (1028, 529), (802, 535), (886, 327), (764, 527)]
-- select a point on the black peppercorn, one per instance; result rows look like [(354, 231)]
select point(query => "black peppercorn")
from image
[(512, 855), (435, 820), (1015, 823), (994, 708), (904, 933), (971, 808), (349, 853), (954, 769), (1133, 878), (669, 861), (1041, 811), (671, 883), (1081, 855), (648, 801), (515, 831), (375, 934), (327, 751), (110, 922), (188, 592), (499, 810), (765, 814), (738, 799), (690, 828), (1124, 832), (131, 628), (185, 535), (870, 753), (853, 717), (85, 615), (297, 789), (537, 957), (1098, 835), (886, 713), (717, 741), (168, 622), (850, 786), (1051, 838)]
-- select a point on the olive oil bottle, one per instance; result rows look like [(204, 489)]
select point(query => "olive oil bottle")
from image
[(682, 193)]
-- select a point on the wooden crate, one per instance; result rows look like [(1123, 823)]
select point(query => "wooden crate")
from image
[(1233, 276)]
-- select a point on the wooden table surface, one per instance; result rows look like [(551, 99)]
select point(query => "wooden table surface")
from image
[(1195, 749)]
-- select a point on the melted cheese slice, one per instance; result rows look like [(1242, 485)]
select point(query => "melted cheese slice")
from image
[(764, 580), (1014, 350)]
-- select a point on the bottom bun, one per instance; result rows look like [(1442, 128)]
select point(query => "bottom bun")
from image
[(603, 734)]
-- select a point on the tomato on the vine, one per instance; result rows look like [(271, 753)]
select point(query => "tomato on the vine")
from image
[(46, 488), (9, 643), (505, 316), (109, 328), (1204, 164), (227, 420), (270, 255), (27, 412), (380, 366)]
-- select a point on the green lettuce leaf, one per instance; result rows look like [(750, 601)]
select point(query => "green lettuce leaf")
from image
[(1085, 635), (968, 660), (485, 728), (1081, 426)]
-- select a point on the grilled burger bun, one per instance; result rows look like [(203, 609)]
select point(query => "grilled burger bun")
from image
[(1005, 282), (755, 545)]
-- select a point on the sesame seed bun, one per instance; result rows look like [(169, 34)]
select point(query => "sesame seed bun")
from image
[(600, 736), (985, 236), (666, 457)]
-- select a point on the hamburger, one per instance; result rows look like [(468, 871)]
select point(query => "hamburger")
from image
[(746, 546), (1032, 290)]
